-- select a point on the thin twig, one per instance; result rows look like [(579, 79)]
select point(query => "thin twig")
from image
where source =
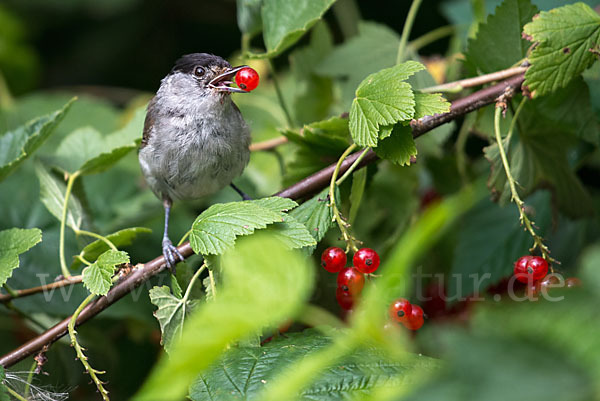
[(42, 288), (457, 86), (300, 190), (268, 144)]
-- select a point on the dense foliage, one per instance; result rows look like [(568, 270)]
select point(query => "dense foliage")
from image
[(252, 314)]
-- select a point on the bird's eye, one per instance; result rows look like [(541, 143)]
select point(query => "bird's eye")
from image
[(199, 71)]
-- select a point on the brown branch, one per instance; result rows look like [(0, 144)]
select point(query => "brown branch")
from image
[(42, 288), (299, 190)]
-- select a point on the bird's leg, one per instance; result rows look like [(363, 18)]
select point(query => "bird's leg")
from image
[(170, 252), (239, 191)]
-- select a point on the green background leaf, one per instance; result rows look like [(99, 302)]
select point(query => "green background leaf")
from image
[(499, 44), (14, 242), (285, 22), (253, 281), (17, 145)]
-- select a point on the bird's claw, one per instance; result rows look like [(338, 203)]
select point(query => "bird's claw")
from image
[(171, 254)]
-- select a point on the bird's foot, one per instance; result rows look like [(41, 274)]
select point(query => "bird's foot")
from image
[(171, 254)]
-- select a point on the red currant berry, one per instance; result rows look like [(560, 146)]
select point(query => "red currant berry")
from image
[(333, 259), (366, 260), (415, 320), (351, 280), (344, 298), (530, 268), (400, 310), (247, 79)]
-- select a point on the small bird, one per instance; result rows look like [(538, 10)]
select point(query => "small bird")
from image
[(195, 140)]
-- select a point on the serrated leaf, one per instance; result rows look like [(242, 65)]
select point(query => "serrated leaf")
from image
[(52, 194), (97, 278), (292, 233), (253, 281), (171, 314), (374, 48), (249, 368), (285, 22), (429, 104), (565, 35), (17, 145), (490, 240), (14, 242), (216, 229), (382, 99), (315, 214), (119, 239), (398, 147), (502, 33), (89, 152), (537, 158)]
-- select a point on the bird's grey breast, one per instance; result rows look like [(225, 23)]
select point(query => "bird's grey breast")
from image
[(196, 148)]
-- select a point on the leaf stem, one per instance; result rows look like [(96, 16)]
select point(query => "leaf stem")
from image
[(513, 123), (188, 290), (352, 167), (63, 220), (83, 260), (538, 242), (430, 37), (288, 116), (408, 23), (29, 379), (15, 394), (213, 287), (346, 236), (97, 236), (79, 350)]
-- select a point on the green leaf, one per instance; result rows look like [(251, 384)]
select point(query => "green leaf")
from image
[(490, 240), (292, 233), (119, 239), (374, 48), (315, 214), (502, 33), (171, 313), (398, 147), (253, 282), (247, 369), (97, 278), (17, 145), (565, 35), (428, 104), (89, 152), (284, 22), (216, 229), (52, 194), (382, 99), (14, 242), (248, 16)]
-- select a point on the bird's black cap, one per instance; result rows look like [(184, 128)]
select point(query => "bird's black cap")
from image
[(188, 62)]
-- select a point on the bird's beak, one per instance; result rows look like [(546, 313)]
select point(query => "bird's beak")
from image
[(222, 81)]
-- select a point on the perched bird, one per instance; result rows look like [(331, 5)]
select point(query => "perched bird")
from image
[(195, 140)]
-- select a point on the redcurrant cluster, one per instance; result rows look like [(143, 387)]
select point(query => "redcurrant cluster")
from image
[(350, 280), (409, 315)]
